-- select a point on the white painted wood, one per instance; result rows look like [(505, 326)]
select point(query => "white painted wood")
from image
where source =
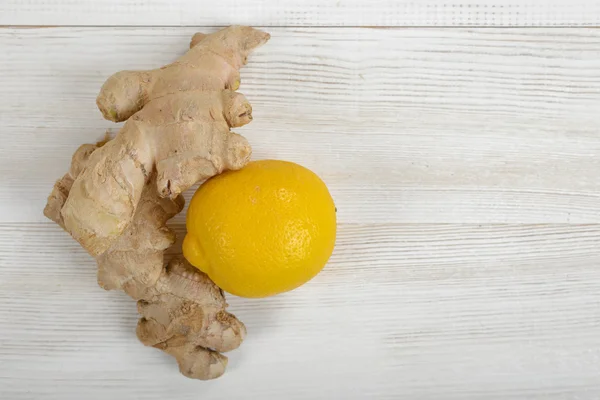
[(402, 311), (411, 129), (302, 12), (405, 125)]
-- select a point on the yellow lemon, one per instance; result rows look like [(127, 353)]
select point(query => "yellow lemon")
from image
[(265, 229)]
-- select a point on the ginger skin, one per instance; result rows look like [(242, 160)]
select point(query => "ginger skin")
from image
[(184, 315), (184, 137), (212, 63), (118, 194)]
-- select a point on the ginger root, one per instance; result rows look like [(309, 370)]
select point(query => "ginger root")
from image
[(118, 194), (212, 63), (184, 315), (184, 138)]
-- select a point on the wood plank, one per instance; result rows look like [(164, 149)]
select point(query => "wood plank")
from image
[(302, 12), (404, 125), (412, 311)]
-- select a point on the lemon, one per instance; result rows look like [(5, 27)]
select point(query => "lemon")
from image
[(265, 229)]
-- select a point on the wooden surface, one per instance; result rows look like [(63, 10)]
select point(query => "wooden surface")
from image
[(391, 13), (463, 161)]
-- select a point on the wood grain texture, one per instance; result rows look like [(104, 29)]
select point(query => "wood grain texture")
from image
[(302, 12), (402, 311), (431, 140), (404, 125)]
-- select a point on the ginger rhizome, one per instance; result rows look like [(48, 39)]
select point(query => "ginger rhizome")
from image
[(118, 194), (212, 63), (182, 138)]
